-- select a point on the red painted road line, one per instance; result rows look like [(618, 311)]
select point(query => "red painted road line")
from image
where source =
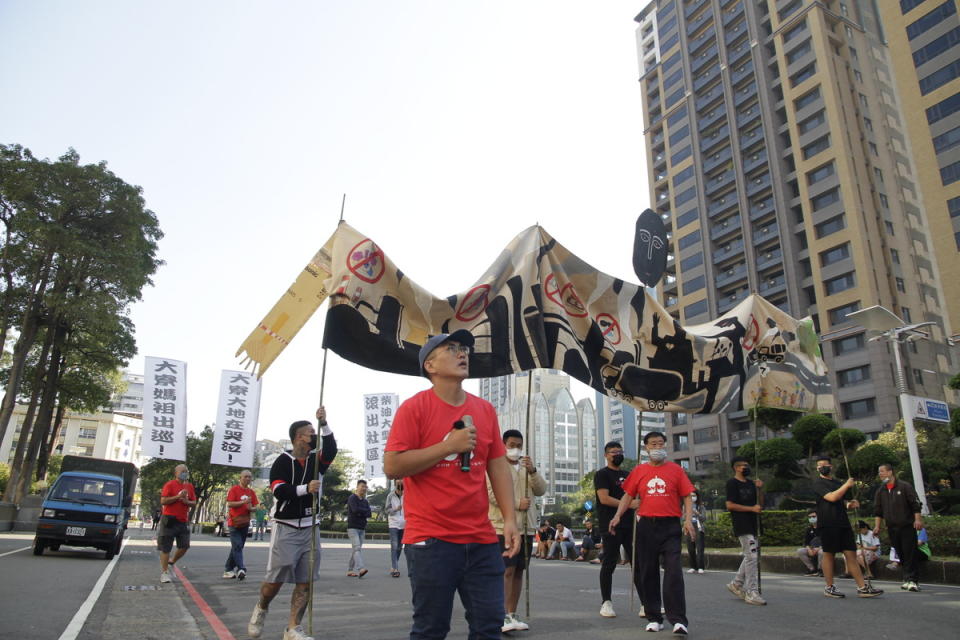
[(215, 623)]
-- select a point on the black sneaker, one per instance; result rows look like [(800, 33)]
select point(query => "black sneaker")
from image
[(867, 591), (832, 592), (241, 574), (811, 574)]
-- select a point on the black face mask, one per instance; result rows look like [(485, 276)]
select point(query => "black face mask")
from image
[(825, 470), (746, 471), (313, 442), (617, 459)]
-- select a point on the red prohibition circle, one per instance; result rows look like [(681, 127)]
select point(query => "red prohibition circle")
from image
[(750, 340), (366, 262), (611, 333), (474, 303), (572, 303), (554, 294)]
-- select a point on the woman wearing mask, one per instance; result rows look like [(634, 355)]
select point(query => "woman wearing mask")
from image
[(396, 524), (696, 544)]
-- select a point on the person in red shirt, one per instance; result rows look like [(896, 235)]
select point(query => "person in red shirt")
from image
[(242, 500), (450, 544), (660, 486), (176, 498)]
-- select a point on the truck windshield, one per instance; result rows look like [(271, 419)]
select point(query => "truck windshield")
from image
[(105, 492)]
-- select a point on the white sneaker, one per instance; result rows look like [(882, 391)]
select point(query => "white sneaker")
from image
[(754, 597), (653, 627), (691, 570), (165, 576), (228, 575), (680, 629), (518, 624), (296, 634), (255, 626), (508, 624), (700, 571), (606, 610)]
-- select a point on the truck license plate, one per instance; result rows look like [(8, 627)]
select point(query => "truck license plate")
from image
[(77, 531)]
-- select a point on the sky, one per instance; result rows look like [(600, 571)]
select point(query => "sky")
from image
[(449, 125)]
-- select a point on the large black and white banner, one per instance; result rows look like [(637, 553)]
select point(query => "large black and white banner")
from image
[(235, 436), (164, 409), (540, 306)]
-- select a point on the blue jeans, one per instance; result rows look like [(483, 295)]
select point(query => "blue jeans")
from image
[(238, 538), (357, 536), (396, 546), (437, 570)]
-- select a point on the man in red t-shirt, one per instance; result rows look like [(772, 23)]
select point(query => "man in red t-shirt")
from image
[(450, 544), (660, 486), (176, 498), (242, 500)]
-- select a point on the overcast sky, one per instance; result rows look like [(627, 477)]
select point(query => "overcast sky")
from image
[(450, 126)]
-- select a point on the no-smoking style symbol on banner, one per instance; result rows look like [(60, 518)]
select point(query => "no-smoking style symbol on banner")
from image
[(474, 303), (565, 296), (366, 261), (609, 327)]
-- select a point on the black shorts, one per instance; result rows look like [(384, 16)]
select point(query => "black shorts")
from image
[(519, 561), (172, 529), (837, 540)]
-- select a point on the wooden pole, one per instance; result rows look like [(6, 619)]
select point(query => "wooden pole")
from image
[(526, 484), (316, 504)]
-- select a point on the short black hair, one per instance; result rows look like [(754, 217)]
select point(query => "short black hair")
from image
[(819, 458), (296, 426), (613, 444), (512, 433), (361, 482), (737, 460), (888, 465), (654, 434)]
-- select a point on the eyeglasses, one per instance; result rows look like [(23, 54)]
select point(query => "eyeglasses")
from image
[(457, 349)]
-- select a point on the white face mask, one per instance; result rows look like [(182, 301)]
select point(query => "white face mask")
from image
[(694, 498), (514, 454), (659, 455)]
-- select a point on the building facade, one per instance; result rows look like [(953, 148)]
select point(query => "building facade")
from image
[(130, 400), (779, 159)]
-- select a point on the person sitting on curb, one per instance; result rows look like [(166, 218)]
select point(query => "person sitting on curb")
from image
[(592, 539), (811, 552), (562, 544)]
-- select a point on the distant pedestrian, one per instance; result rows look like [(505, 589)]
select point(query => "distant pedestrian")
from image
[(836, 534), (260, 516), (811, 552), (219, 531), (176, 497), (660, 486), (527, 484), (396, 524), (607, 484), (696, 546), (241, 500), (358, 510), (745, 502), (592, 540), (291, 479), (450, 545), (896, 503), (156, 519)]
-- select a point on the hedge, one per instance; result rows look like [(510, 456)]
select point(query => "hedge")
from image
[(786, 528), (373, 526)]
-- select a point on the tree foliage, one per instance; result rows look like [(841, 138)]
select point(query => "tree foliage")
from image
[(843, 440), (865, 460), (810, 430), (774, 419)]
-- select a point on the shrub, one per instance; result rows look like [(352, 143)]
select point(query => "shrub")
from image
[(944, 532), (780, 528)]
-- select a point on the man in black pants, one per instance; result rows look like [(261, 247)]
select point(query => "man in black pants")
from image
[(897, 503), (606, 483)]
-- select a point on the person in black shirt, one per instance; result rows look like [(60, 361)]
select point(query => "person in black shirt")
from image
[(592, 539), (744, 504), (545, 535), (836, 534), (606, 483), (811, 547)]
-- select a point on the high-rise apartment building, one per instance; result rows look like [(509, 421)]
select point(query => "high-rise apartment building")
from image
[(928, 83), (780, 161)]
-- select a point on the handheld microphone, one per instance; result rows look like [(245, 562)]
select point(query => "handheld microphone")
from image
[(467, 421)]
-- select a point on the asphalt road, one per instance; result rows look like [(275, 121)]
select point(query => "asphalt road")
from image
[(39, 597)]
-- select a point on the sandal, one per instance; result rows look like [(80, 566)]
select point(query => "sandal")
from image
[(351, 574), (395, 573), (363, 572)]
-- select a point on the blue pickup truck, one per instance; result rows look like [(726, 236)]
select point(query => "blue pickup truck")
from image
[(88, 506)]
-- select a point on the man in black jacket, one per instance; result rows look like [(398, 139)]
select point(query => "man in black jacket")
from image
[(291, 479), (897, 503)]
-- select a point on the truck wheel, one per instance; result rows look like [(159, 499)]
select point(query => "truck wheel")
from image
[(55, 547), (38, 546), (112, 550)]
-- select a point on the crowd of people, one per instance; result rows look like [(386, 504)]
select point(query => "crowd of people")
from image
[(463, 512)]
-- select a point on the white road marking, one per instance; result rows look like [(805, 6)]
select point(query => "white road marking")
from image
[(14, 551), (80, 617)]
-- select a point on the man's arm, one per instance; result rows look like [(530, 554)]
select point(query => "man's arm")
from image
[(622, 505), (499, 472), (837, 495), (401, 464)]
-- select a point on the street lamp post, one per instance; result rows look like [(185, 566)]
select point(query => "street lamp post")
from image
[(893, 329)]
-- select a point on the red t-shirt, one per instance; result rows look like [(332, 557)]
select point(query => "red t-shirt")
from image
[(178, 509), (660, 489), (236, 493), (444, 502)]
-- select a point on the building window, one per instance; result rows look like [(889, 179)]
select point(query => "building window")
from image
[(804, 74), (86, 432), (817, 146), (918, 376), (858, 408), (905, 311), (706, 434), (690, 239), (895, 256), (931, 19), (799, 52), (693, 261), (900, 285), (906, 5), (808, 99), (832, 225), (848, 344), (680, 442), (889, 227), (825, 199), (950, 173), (688, 217), (854, 376), (693, 284), (706, 462), (953, 206), (840, 283), (835, 254), (944, 108), (935, 48), (940, 77), (795, 31), (820, 173), (695, 309), (884, 201), (680, 418), (839, 314)]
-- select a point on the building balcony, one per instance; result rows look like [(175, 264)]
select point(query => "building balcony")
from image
[(731, 275), (725, 180), (714, 137), (707, 56), (735, 12), (758, 184), (713, 116), (705, 78), (745, 93), (761, 209), (754, 160), (728, 302), (768, 231), (770, 258), (727, 251), (716, 159), (734, 30), (708, 36), (742, 72), (745, 120), (716, 207), (699, 21), (773, 286), (738, 51), (708, 97), (725, 228)]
